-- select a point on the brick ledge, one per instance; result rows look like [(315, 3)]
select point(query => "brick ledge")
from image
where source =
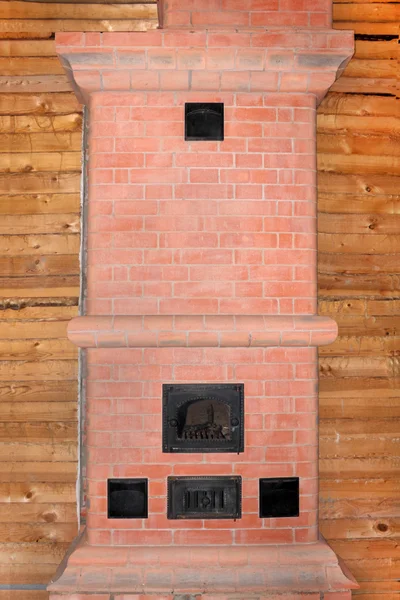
[(201, 331), (301, 568)]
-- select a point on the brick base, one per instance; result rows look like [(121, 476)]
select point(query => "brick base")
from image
[(126, 573)]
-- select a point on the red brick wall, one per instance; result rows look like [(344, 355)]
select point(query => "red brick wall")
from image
[(181, 227), (246, 13)]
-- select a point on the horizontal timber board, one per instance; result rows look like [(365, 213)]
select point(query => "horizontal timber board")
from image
[(57, 512), (40, 182), (41, 244), (37, 350), (339, 508), (38, 432), (54, 142), (40, 412), (341, 104), (32, 162), (39, 204), (44, 11), (52, 370), (352, 243), (38, 533), (33, 494), (51, 25), (41, 124), (37, 391), (57, 452), (64, 264), (358, 204), (360, 528), (38, 471), (42, 104), (40, 223), (359, 408)]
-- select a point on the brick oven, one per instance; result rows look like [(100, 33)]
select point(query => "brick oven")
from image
[(200, 323)]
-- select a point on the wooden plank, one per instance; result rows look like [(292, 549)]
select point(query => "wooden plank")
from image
[(371, 12), (354, 163), (28, 65), (361, 346), (38, 104), (373, 285), (53, 124), (385, 68), (39, 411), (378, 146), (377, 506), (45, 310), (41, 162), (34, 83), (373, 185), (30, 371), (50, 471), (365, 85), (38, 287), (38, 432), (31, 495), (343, 406), (12, 245), (17, 48), (37, 329), (331, 202), (27, 574), (351, 467), (22, 452), (50, 25), (377, 49), (356, 366), (32, 204), (355, 125), (339, 104), (40, 533), (359, 528), (355, 387), (370, 224), (58, 141), (39, 224), (14, 9), (383, 307), (43, 265), (37, 350), (28, 392), (358, 243), (360, 263), (39, 513), (49, 183)]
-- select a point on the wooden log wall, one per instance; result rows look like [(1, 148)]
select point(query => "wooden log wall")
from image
[(359, 259), (40, 169), (40, 173)]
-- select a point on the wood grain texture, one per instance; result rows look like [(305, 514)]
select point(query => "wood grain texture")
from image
[(359, 207)]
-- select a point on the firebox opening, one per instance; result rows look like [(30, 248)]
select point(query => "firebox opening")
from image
[(203, 418), (206, 419)]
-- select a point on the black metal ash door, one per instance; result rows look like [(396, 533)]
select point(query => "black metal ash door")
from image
[(203, 418), (204, 497)]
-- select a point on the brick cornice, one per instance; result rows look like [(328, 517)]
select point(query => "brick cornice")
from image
[(249, 60), (201, 331)]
